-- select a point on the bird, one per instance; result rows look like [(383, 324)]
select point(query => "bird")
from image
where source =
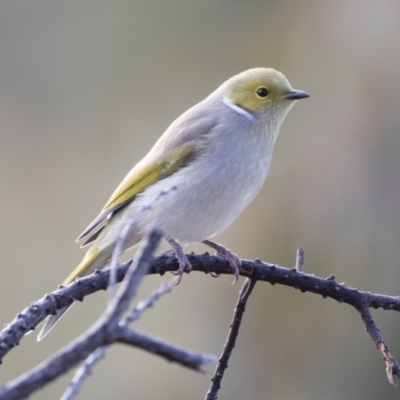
[(215, 156)]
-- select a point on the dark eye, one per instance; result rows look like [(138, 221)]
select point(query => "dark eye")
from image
[(262, 92)]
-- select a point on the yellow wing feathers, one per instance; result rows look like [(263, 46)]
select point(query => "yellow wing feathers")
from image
[(141, 177), (131, 186), (145, 176)]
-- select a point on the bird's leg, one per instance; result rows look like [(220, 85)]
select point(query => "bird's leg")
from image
[(184, 263), (222, 251)]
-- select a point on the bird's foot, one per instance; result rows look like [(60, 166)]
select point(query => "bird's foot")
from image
[(184, 263), (231, 257)]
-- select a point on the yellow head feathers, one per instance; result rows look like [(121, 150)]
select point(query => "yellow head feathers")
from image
[(255, 88)]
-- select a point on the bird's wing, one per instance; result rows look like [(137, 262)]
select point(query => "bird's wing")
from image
[(140, 177), (179, 146)]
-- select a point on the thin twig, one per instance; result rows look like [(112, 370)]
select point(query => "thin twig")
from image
[(124, 236), (83, 372), (300, 259), (392, 367), (240, 308), (149, 302)]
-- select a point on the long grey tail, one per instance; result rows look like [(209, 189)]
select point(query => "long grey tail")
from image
[(50, 321)]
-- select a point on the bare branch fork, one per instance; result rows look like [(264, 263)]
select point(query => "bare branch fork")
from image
[(255, 270), (108, 329), (86, 368)]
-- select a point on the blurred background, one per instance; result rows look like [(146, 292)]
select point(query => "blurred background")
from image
[(87, 87)]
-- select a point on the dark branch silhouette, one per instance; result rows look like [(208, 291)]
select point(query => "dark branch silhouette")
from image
[(108, 329), (255, 270), (222, 365)]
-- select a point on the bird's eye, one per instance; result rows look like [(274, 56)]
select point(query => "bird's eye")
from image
[(262, 92)]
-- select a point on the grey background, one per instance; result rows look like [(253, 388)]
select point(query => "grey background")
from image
[(87, 87)]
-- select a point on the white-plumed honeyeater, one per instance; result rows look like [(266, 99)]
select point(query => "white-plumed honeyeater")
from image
[(216, 154)]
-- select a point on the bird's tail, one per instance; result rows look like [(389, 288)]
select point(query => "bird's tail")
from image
[(90, 262)]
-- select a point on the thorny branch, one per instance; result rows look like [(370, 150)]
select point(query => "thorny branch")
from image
[(105, 331), (255, 270)]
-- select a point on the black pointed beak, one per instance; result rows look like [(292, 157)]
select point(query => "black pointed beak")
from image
[(296, 95)]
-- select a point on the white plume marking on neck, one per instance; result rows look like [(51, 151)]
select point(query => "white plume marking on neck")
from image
[(238, 109)]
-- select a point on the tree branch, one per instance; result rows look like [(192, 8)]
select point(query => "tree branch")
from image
[(256, 270), (105, 331), (222, 365), (131, 337)]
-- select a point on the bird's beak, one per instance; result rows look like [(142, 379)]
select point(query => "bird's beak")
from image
[(296, 95)]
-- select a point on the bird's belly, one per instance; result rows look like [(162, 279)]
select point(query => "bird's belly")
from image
[(198, 205)]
